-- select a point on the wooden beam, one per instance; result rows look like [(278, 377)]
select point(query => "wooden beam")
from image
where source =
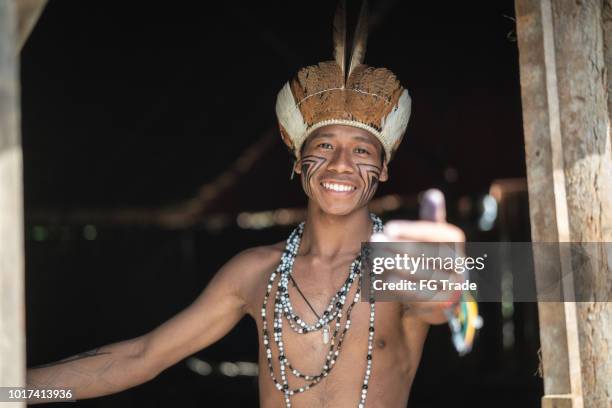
[(557, 401), (569, 172), (12, 321)]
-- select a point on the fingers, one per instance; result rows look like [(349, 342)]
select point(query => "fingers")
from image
[(379, 237), (433, 206), (419, 274), (432, 228), (423, 231)]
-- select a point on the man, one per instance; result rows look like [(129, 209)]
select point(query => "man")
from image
[(319, 345)]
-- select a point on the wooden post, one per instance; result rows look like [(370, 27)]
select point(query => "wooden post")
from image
[(12, 321), (569, 172)]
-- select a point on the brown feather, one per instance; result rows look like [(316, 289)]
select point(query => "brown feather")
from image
[(340, 36), (360, 39)]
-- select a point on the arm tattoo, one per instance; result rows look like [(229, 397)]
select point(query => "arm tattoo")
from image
[(80, 356), (88, 376)]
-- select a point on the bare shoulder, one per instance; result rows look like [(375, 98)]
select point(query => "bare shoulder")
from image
[(249, 270), (255, 260)]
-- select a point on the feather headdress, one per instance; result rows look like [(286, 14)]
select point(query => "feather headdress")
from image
[(333, 93)]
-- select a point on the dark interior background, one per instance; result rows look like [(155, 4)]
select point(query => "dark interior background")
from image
[(138, 104)]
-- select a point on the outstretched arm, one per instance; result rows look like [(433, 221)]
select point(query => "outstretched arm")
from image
[(116, 367)]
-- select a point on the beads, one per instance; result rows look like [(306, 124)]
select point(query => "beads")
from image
[(283, 310)]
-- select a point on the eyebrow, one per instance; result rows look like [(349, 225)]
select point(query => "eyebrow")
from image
[(322, 135), (364, 139), (355, 137)]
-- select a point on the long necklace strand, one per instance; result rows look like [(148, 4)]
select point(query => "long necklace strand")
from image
[(284, 308), (326, 327)]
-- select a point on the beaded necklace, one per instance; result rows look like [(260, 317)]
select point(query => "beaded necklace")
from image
[(334, 311)]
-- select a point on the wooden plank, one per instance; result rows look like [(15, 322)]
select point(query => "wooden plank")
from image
[(545, 180), (557, 401), (12, 327)]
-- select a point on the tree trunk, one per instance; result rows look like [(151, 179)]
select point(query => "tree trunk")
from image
[(565, 61)]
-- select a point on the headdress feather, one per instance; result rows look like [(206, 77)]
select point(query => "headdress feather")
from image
[(360, 39), (340, 36), (318, 95)]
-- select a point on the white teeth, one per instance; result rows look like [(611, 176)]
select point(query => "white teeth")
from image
[(338, 187)]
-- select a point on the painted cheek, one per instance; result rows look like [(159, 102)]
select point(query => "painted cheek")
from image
[(304, 178), (310, 165), (370, 175)]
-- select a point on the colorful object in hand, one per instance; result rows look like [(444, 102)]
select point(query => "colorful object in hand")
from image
[(464, 321)]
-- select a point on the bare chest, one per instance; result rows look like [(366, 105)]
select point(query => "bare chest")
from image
[(393, 355)]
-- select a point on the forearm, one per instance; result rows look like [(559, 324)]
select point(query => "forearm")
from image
[(433, 306), (102, 371), (429, 312)]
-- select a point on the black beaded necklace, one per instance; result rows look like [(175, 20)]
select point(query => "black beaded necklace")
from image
[(283, 308)]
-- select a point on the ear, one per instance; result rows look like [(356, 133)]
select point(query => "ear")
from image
[(384, 174), (297, 166)]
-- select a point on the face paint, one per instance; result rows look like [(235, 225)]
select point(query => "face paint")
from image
[(370, 174), (310, 164)]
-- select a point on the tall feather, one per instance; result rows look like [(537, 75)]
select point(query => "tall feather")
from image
[(340, 36), (360, 39)]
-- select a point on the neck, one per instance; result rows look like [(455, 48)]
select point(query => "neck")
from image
[(327, 235)]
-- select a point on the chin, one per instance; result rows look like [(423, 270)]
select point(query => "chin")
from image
[(338, 212), (337, 208)]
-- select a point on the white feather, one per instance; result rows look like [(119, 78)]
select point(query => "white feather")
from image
[(289, 115), (395, 123)]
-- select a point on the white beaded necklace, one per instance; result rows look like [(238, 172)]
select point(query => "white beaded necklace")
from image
[(284, 308)]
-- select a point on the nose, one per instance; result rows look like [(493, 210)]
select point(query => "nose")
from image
[(341, 161)]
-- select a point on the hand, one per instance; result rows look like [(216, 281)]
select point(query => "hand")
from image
[(431, 228)]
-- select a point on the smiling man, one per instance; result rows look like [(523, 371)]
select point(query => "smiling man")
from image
[(320, 345), (343, 189)]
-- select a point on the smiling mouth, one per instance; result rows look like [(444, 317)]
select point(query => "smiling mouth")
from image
[(338, 187)]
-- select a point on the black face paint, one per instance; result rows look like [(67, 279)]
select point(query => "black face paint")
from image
[(310, 164), (370, 174)]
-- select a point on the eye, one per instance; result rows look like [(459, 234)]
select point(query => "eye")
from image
[(325, 145), (361, 150)]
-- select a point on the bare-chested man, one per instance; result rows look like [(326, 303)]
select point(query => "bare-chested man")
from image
[(336, 224), (343, 124)]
